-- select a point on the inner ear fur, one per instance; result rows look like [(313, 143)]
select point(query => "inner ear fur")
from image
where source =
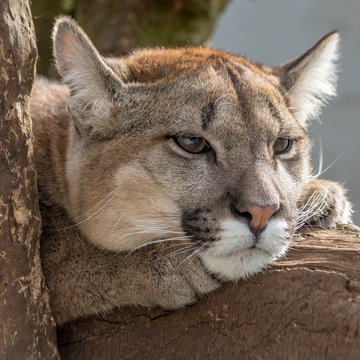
[(92, 83), (309, 81)]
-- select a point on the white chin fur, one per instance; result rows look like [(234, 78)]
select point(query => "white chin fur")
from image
[(232, 258)]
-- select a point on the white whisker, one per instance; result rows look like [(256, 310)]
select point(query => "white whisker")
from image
[(319, 173), (97, 204), (220, 97), (226, 103), (180, 251), (314, 206), (193, 254), (88, 218), (159, 241)]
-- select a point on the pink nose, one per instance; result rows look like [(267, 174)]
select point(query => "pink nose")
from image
[(259, 216)]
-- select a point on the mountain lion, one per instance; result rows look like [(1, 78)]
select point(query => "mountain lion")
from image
[(166, 172)]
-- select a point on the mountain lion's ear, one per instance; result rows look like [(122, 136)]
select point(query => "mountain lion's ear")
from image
[(310, 80), (92, 83)]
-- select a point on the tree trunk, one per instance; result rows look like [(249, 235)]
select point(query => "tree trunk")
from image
[(27, 330), (305, 307), (118, 26)]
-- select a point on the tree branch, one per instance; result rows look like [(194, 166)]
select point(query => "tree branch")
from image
[(306, 306)]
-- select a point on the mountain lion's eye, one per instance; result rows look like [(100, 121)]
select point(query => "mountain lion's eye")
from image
[(194, 145), (282, 146)]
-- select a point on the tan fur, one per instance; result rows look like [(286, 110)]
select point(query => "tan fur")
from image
[(130, 217)]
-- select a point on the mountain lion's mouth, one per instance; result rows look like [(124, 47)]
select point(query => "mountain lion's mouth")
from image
[(239, 254), (242, 252)]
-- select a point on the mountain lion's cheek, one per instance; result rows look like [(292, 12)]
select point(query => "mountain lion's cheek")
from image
[(239, 254)]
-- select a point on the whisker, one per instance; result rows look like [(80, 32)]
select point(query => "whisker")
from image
[(314, 206), (88, 218), (180, 251), (174, 245), (291, 89), (158, 241), (226, 103), (326, 169), (114, 227), (220, 97), (313, 202), (157, 234), (193, 254), (318, 173), (144, 229), (153, 223), (295, 108), (110, 193), (95, 206)]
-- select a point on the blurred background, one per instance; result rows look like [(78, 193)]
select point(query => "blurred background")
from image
[(266, 31)]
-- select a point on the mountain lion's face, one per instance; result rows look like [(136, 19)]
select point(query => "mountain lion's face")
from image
[(193, 148)]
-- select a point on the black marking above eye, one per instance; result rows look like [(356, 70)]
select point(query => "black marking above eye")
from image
[(282, 146), (273, 110), (192, 144)]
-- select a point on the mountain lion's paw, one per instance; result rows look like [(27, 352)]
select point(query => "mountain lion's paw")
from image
[(323, 203)]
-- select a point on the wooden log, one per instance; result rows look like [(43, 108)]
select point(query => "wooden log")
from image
[(306, 306), (27, 330)]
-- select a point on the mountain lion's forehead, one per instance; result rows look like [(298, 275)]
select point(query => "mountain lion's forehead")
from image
[(210, 90), (151, 65)]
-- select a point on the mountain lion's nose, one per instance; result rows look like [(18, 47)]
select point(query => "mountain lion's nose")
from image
[(258, 216)]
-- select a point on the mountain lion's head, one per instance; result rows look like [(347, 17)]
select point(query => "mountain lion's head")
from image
[(194, 148)]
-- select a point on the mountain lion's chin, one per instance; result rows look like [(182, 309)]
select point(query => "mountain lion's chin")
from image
[(237, 255), (240, 265)]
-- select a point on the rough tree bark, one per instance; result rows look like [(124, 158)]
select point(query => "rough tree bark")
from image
[(305, 307), (27, 330)]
